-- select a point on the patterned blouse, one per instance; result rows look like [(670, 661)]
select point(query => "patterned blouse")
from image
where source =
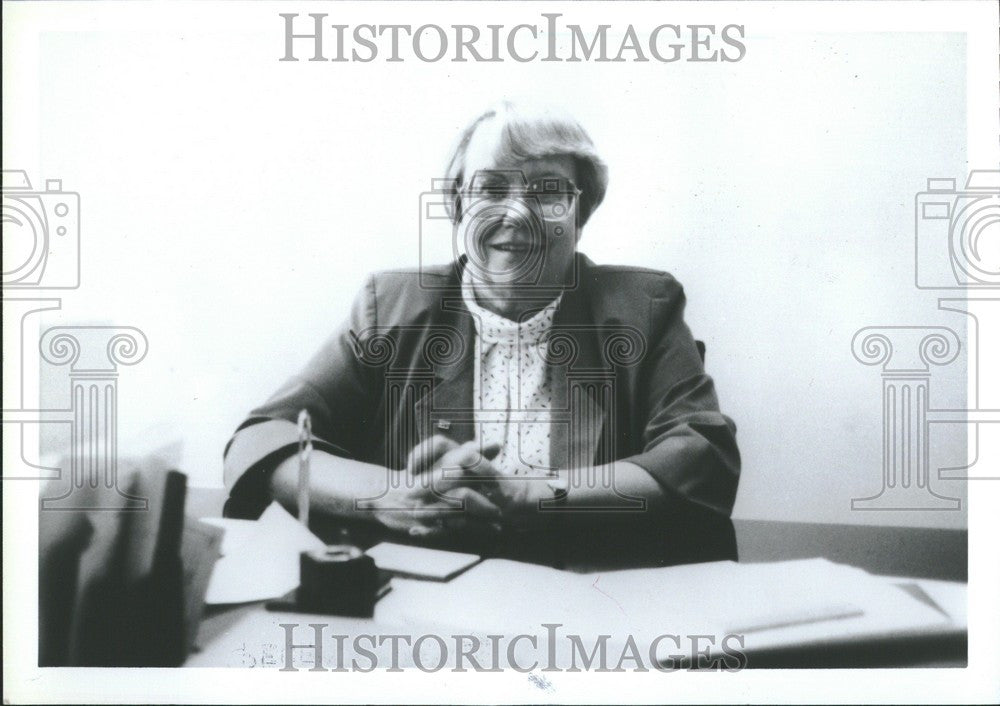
[(512, 387)]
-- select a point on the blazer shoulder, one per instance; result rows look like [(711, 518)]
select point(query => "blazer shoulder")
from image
[(639, 297), (411, 294), (629, 282)]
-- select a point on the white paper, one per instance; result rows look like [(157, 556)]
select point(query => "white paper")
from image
[(806, 600), (420, 562), (951, 596), (888, 610), (260, 560)]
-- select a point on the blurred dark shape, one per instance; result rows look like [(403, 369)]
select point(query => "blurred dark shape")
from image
[(62, 538), (123, 588)]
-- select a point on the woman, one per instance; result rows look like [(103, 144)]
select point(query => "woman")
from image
[(520, 391)]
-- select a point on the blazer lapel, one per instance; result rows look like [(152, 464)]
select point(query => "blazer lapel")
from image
[(447, 408), (580, 382), (577, 380)]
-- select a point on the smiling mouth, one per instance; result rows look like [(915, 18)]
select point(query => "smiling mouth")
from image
[(511, 247)]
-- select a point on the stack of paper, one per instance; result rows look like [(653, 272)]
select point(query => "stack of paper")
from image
[(772, 605)]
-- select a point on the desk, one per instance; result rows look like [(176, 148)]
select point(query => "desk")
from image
[(248, 635), (889, 551)]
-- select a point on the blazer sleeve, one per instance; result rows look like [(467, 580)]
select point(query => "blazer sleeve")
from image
[(334, 387), (689, 446)]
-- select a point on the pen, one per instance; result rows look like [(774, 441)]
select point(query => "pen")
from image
[(305, 450)]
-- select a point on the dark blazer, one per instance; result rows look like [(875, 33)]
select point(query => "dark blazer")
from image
[(628, 384)]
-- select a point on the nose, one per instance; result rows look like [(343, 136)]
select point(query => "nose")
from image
[(509, 214)]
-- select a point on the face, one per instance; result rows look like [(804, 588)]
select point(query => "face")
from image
[(519, 225)]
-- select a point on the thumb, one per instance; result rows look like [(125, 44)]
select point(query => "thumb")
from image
[(425, 454), (491, 451)]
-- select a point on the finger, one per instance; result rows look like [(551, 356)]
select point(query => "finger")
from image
[(484, 476), (450, 523), (464, 456), (475, 504), (438, 518), (423, 531), (491, 451), (470, 457), (425, 454), (435, 518), (397, 520)]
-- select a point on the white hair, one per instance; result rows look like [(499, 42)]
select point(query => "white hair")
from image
[(524, 133)]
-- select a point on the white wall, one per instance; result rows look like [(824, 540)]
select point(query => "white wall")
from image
[(232, 205)]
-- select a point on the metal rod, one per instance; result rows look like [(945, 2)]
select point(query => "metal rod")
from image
[(305, 451)]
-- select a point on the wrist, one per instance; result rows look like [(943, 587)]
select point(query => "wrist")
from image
[(558, 488), (549, 495)]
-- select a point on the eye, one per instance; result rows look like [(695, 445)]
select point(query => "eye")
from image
[(489, 187)]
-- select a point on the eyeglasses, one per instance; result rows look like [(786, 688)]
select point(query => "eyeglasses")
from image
[(555, 196)]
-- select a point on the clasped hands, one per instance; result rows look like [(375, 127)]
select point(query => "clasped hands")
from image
[(449, 487)]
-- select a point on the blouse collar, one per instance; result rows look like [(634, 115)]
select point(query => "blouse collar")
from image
[(493, 328)]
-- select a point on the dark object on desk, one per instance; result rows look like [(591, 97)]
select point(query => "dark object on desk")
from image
[(123, 588), (920, 552), (337, 580), (923, 651), (289, 604), (130, 610), (62, 538)]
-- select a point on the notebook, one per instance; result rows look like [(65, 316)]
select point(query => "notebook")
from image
[(419, 562)]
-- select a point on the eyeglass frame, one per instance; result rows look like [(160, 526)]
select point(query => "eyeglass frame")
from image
[(522, 190)]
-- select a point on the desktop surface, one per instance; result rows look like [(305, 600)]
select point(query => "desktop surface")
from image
[(249, 635)]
